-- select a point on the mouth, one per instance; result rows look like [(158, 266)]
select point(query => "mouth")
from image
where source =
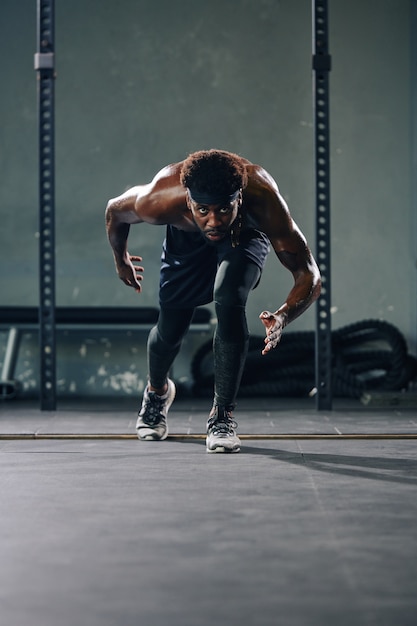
[(214, 235)]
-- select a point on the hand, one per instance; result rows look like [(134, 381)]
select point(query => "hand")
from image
[(131, 274), (274, 324)]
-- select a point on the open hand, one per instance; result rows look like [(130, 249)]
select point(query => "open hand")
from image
[(131, 274), (274, 324)]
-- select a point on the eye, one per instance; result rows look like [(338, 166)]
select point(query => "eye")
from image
[(202, 210), (225, 209)]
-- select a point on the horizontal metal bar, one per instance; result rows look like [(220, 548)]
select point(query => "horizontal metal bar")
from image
[(92, 326), (185, 436)]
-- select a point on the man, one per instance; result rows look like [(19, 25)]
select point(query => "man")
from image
[(221, 214)]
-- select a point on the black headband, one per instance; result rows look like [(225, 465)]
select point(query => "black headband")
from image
[(202, 197)]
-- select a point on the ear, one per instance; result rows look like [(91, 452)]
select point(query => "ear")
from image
[(187, 200)]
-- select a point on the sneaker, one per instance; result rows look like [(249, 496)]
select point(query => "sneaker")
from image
[(152, 418), (221, 436)]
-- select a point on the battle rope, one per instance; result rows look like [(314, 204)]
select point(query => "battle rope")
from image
[(371, 354)]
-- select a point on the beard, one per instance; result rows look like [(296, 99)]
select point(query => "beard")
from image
[(213, 236)]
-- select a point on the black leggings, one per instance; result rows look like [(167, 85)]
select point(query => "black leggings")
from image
[(235, 278)]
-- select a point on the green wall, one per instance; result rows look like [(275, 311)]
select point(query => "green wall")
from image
[(143, 83)]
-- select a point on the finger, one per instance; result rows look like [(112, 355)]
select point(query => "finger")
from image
[(272, 334), (134, 257), (272, 340), (268, 324), (265, 315), (267, 319), (132, 283), (267, 349)]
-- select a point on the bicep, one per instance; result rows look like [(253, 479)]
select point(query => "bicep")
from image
[(123, 209), (286, 238), (292, 250)]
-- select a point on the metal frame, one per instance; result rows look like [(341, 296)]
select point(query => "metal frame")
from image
[(413, 128), (321, 69), (44, 66)]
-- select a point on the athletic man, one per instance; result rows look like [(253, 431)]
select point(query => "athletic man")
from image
[(221, 214)]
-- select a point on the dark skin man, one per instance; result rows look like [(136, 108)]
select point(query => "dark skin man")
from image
[(167, 201)]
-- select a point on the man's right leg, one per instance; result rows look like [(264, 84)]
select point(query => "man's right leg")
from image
[(164, 343)]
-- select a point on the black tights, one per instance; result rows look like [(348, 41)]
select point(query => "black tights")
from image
[(235, 278)]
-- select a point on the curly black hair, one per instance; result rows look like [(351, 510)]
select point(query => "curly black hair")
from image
[(214, 172)]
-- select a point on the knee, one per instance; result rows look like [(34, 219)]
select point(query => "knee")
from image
[(160, 344), (235, 279), (230, 296), (231, 322)]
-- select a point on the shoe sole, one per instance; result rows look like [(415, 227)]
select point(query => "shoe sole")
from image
[(223, 450), (152, 437)]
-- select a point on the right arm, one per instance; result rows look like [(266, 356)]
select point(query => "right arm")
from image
[(120, 214), (162, 201)]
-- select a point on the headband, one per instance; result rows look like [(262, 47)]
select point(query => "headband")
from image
[(202, 197)]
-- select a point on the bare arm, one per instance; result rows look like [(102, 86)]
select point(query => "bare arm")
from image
[(295, 255), (162, 201), (292, 250), (120, 214)]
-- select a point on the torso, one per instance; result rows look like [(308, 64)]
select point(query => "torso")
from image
[(163, 201)]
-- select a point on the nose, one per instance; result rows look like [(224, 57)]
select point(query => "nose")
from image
[(213, 220)]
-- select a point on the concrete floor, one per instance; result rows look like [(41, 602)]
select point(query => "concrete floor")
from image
[(290, 532)]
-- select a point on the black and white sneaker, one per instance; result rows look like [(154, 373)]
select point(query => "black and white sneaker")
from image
[(152, 418), (221, 434)]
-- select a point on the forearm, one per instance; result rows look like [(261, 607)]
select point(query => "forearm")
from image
[(117, 232), (118, 235), (306, 290)]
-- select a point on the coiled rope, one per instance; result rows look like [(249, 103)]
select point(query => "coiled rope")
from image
[(366, 355)]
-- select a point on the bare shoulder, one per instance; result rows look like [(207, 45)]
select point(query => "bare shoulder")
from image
[(167, 176), (265, 204), (262, 198), (260, 179), (162, 201), (156, 202)]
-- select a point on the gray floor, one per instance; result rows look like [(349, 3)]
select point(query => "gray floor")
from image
[(291, 532)]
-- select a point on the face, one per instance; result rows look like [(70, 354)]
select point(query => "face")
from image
[(214, 220)]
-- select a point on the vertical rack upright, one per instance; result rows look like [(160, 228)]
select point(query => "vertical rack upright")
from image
[(321, 69), (45, 68)]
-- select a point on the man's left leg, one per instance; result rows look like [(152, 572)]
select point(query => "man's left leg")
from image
[(236, 277)]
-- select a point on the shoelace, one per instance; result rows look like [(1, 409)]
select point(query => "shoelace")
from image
[(152, 415), (222, 424)]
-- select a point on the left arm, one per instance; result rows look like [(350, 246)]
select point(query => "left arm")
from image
[(292, 250)]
